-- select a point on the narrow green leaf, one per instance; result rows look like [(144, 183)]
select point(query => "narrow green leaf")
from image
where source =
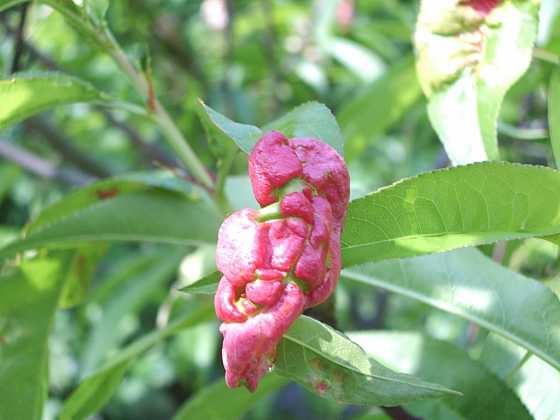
[(26, 95), (365, 118), (554, 114), (312, 119), (109, 188), (206, 285), (465, 65), (123, 210), (233, 403), (244, 135), (97, 389), (452, 208), (485, 396), (28, 300), (330, 365), (472, 286)]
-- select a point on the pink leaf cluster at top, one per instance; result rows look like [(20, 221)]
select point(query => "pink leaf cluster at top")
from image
[(483, 6), (274, 268)]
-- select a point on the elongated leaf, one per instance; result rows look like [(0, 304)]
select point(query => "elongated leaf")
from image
[(206, 285), (26, 95), (28, 300), (244, 135), (233, 402), (122, 210), (452, 208), (472, 286), (554, 114), (312, 119), (98, 388), (366, 117), (109, 188), (485, 396), (329, 364), (465, 67)]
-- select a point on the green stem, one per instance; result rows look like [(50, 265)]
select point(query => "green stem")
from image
[(270, 212), (547, 56), (224, 169), (510, 375), (162, 118)]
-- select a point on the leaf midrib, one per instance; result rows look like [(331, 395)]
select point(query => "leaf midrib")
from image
[(355, 370), (449, 308)]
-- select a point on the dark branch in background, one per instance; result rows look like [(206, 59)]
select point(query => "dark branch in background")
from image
[(150, 152), (229, 45), (64, 146), (398, 413), (19, 39), (269, 45), (178, 48), (31, 162), (41, 167)]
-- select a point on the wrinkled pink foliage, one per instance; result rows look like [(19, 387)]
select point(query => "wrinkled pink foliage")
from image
[(483, 6), (265, 264)]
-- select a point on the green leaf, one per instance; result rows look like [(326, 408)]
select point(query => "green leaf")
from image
[(123, 209), (329, 364), (365, 118), (485, 396), (26, 95), (28, 300), (452, 208), (312, 119), (554, 114), (109, 188), (206, 285), (82, 267), (233, 402), (244, 135), (472, 286), (537, 385), (96, 389), (132, 284), (465, 66)]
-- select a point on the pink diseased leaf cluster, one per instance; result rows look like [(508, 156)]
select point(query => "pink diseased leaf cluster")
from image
[(277, 265)]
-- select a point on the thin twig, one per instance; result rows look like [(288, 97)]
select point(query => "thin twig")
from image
[(64, 146), (41, 167), (163, 119), (151, 153), (19, 38)]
